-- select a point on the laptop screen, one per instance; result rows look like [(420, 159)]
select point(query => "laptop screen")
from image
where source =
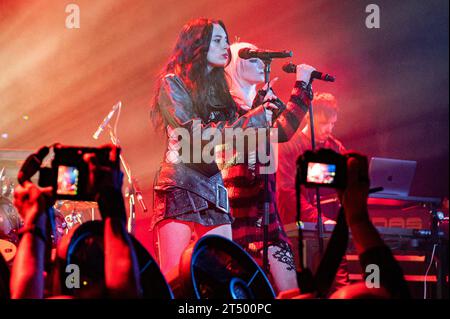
[(395, 176)]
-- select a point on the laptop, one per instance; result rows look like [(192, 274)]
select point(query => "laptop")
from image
[(395, 176)]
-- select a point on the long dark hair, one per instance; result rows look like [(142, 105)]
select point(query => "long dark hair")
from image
[(189, 62)]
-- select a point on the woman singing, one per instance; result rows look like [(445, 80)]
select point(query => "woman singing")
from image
[(190, 200), (244, 181)]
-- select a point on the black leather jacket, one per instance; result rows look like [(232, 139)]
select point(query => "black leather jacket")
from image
[(177, 110)]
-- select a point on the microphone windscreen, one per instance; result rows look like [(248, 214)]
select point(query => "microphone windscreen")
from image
[(289, 67), (244, 53)]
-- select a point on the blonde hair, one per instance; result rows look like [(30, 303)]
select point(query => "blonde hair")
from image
[(234, 71)]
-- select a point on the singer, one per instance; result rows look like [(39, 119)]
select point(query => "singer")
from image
[(244, 182), (190, 200)]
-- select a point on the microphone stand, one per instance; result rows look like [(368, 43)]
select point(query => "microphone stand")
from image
[(305, 278), (133, 190), (267, 199), (441, 256), (319, 226)]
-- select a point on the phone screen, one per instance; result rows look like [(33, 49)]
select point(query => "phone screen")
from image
[(67, 183), (321, 173)]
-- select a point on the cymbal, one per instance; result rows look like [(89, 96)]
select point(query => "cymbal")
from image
[(69, 205)]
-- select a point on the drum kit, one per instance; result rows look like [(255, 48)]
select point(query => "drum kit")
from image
[(68, 214)]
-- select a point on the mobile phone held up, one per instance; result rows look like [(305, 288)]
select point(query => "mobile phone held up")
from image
[(69, 173), (323, 168)]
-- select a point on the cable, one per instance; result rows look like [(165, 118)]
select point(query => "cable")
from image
[(426, 273)]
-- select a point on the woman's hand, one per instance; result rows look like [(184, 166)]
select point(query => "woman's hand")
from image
[(268, 98), (303, 72), (270, 85)]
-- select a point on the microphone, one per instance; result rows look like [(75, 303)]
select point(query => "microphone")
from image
[(292, 68), (247, 53), (32, 165), (106, 120)]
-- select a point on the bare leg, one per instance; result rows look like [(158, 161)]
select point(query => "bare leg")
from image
[(173, 238), (222, 230), (282, 267)]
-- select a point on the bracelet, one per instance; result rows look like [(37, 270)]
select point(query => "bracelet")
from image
[(35, 230)]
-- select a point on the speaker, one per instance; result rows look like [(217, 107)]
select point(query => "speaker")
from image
[(217, 268), (73, 247)]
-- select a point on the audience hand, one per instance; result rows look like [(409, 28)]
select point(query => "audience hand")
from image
[(32, 201), (354, 197)]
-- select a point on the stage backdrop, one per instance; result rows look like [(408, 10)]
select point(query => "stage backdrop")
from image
[(57, 83)]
